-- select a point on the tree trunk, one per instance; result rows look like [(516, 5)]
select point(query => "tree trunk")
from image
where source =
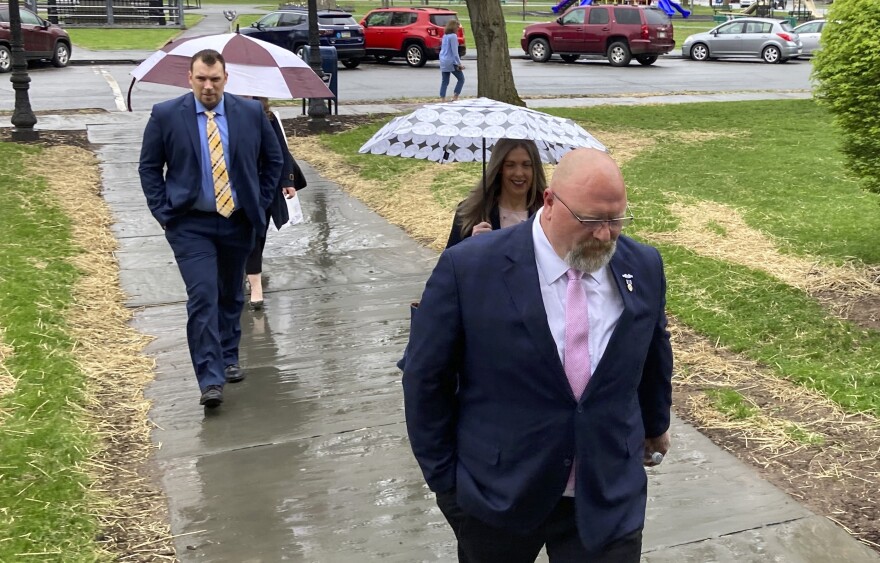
[(494, 75)]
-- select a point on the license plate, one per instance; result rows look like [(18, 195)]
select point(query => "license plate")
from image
[(661, 34), (343, 34)]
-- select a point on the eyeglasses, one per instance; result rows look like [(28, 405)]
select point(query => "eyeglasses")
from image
[(615, 225)]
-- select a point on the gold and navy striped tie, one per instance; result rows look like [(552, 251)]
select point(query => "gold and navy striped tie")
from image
[(222, 189)]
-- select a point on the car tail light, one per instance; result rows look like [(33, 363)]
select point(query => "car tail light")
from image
[(432, 31), (326, 32), (785, 36), (645, 32)]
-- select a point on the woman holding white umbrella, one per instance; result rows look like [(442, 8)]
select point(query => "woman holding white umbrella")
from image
[(511, 191)]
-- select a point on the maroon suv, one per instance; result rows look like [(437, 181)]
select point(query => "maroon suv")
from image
[(42, 40), (617, 32)]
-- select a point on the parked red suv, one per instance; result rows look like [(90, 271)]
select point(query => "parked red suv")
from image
[(412, 33), (617, 32), (42, 40)]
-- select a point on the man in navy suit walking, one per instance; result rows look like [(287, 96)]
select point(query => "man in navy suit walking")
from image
[(209, 165), (538, 378)]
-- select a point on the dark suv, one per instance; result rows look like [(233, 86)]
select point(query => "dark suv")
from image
[(289, 28), (617, 32), (412, 33), (41, 39)]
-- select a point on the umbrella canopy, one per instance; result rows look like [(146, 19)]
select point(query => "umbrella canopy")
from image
[(465, 131), (255, 67)]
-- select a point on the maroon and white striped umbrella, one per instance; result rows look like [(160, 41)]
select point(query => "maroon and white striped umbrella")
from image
[(255, 67)]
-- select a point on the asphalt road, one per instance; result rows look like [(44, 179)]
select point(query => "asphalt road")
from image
[(106, 86)]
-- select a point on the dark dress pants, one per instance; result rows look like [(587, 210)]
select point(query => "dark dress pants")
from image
[(479, 542), (211, 251)]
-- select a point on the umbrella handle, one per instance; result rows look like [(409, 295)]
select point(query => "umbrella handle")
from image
[(128, 99)]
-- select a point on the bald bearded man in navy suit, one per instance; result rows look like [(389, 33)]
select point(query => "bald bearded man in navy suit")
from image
[(538, 378)]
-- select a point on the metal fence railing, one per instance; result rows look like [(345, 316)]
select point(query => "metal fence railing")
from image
[(116, 13)]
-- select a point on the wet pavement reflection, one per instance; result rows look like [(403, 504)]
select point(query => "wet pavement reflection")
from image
[(308, 460)]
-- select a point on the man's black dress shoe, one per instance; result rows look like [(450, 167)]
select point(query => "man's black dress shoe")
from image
[(234, 373), (212, 397)]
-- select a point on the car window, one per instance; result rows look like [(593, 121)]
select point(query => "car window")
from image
[(270, 20), (401, 19), (812, 27), (731, 28), (627, 16), (655, 17), (573, 17), (4, 15), (599, 15), (379, 18), (785, 26), (290, 19), (29, 18), (442, 19), (758, 27), (336, 19)]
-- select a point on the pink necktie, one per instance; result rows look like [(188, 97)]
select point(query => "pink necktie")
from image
[(577, 334)]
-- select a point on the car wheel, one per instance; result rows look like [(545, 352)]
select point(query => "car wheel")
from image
[(647, 60), (700, 52), (618, 54), (62, 55), (300, 52), (771, 54), (350, 63), (5, 59), (415, 55), (539, 50), (570, 58), (382, 59)]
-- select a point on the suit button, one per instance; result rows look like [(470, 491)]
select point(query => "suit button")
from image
[(567, 462), (580, 409)]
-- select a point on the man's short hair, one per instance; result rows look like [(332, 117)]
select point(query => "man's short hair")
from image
[(208, 56)]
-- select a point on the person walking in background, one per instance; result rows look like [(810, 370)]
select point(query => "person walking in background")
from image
[(292, 180), (511, 192), (209, 167), (538, 378), (450, 62)]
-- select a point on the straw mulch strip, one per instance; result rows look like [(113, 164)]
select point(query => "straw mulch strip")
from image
[(848, 291), (796, 438), (132, 508), (7, 381)]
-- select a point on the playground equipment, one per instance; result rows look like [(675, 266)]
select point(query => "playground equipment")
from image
[(668, 6), (671, 7), (562, 6)]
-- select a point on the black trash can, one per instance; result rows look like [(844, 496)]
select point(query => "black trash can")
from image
[(329, 65)]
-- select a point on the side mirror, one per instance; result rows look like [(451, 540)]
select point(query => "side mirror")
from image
[(256, 25), (559, 20), (44, 24)]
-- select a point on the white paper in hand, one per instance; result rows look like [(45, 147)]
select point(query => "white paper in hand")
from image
[(294, 210)]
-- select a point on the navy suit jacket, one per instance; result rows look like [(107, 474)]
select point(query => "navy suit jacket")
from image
[(171, 158), (489, 409)]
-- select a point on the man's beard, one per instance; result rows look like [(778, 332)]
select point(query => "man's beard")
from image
[(591, 255)]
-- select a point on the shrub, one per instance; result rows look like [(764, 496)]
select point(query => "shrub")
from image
[(847, 70)]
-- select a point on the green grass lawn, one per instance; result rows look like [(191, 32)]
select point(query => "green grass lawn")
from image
[(794, 189), (137, 39), (44, 504)]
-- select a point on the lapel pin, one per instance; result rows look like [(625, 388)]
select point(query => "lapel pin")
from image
[(629, 281)]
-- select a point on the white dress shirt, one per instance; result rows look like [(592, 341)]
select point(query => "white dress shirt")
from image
[(603, 299), (604, 303)]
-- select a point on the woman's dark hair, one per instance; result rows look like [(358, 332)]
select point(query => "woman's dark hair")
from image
[(478, 205)]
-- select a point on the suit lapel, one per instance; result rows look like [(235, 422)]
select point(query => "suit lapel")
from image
[(621, 270), (230, 102), (191, 122), (521, 278)]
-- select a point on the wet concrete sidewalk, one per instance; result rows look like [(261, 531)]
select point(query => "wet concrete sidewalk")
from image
[(308, 459)]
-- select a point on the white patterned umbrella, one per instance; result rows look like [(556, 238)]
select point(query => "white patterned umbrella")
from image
[(255, 67), (465, 131)]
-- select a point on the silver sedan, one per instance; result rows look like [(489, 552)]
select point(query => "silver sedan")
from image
[(810, 33), (774, 41)]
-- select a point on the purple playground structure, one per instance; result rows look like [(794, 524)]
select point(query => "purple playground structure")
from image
[(566, 3)]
